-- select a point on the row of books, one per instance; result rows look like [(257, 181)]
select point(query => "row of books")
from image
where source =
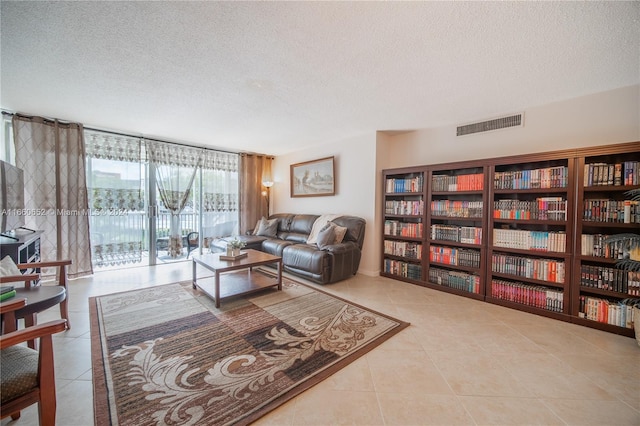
[(613, 279), (403, 248), (405, 207), (549, 177), (403, 269), (595, 245), (618, 312), (544, 241), (544, 208), (403, 229), (455, 279), (616, 174), (617, 211), (412, 184), (538, 269), (473, 182), (7, 292), (530, 295), (455, 256), (453, 208), (460, 234)]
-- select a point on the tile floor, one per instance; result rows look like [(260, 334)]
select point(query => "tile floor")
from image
[(461, 362)]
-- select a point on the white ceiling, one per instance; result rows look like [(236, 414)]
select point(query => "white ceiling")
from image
[(277, 77)]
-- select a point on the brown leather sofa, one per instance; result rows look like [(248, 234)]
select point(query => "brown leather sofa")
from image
[(332, 263)]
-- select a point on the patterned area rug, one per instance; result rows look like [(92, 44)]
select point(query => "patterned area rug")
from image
[(166, 355)]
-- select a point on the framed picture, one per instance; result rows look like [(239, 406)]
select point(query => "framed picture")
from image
[(313, 178)]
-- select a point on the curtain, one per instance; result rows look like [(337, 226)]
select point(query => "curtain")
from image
[(219, 201), (252, 169), (52, 155), (176, 167), (115, 181)]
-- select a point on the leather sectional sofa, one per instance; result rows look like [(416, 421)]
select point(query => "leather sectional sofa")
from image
[(323, 264)]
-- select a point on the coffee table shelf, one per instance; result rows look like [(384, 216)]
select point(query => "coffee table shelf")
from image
[(226, 284)]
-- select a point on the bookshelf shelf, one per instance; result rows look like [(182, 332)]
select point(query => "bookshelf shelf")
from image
[(533, 209), (603, 176), (457, 228), (530, 234), (403, 212)]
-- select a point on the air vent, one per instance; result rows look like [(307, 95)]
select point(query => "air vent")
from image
[(490, 125)]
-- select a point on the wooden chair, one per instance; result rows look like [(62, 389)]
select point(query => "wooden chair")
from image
[(27, 375), (39, 297)]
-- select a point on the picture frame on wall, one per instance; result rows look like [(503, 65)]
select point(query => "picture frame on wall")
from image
[(314, 178)]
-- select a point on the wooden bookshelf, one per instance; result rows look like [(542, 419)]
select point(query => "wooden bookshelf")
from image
[(403, 229), (455, 248), (516, 224), (600, 288), (531, 233)]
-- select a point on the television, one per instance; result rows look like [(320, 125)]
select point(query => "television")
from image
[(12, 211)]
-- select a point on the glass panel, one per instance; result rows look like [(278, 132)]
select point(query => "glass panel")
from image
[(219, 205), (118, 212)]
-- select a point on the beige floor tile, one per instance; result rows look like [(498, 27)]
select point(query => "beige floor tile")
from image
[(596, 413), (416, 409), (406, 372), (501, 411), (478, 374), (327, 407)]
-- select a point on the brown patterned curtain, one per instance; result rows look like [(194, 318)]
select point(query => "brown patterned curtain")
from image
[(253, 205), (52, 155)]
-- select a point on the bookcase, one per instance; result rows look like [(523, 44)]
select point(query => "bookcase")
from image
[(527, 232), (456, 220), (602, 292), (403, 234), (531, 233)]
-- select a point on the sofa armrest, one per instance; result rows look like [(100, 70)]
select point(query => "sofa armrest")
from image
[(345, 260)]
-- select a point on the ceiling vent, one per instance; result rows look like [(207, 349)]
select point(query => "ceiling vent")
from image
[(490, 125)]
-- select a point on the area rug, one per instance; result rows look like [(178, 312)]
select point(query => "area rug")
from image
[(165, 355)]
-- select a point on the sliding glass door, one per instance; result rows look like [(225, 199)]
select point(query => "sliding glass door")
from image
[(116, 184), (159, 206)]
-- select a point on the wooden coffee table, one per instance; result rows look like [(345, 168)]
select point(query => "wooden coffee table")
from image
[(226, 285)]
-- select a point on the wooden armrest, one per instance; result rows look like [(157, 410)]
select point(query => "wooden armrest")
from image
[(44, 264), (17, 278), (12, 305), (32, 333)]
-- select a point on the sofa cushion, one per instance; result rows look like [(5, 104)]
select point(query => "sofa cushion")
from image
[(339, 232), (268, 228), (326, 236), (305, 257), (274, 246), (318, 224), (8, 267)]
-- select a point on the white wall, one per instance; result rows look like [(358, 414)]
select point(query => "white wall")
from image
[(599, 119), (355, 164)]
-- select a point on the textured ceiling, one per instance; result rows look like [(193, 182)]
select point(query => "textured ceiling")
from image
[(277, 77)]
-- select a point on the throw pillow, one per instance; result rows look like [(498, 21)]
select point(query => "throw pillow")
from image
[(268, 228), (8, 267), (340, 233), (257, 227), (326, 236)]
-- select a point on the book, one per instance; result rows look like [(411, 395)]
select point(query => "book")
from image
[(6, 288), (7, 295)]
